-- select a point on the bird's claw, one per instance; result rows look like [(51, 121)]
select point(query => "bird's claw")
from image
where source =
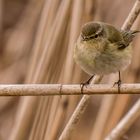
[(119, 85), (85, 83), (82, 86)]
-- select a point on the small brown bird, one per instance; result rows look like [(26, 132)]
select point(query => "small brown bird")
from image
[(103, 49)]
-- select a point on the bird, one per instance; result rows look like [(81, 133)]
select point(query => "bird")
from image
[(102, 49)]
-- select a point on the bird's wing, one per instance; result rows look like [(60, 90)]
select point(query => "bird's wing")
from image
[(121, 38), (115, 36)]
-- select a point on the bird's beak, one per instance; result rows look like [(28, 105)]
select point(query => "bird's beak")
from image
[(83, 38)]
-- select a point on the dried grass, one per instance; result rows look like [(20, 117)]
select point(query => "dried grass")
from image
[(36, 46)]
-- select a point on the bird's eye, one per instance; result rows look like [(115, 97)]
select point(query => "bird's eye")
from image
[(91, 37), (96, 36)]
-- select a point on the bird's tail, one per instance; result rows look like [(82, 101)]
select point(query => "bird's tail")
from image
[(129, 35), (134, 32)]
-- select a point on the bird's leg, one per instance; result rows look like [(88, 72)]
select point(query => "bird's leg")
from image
[(85, 83), (118, 82)]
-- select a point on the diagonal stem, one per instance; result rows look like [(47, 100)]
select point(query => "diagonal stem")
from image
[(85, 99)]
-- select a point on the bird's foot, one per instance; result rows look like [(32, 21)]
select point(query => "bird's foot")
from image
[(82, 86), (85, 83), (119, 85)]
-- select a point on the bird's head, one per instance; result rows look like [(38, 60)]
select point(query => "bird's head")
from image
[(91, 31)]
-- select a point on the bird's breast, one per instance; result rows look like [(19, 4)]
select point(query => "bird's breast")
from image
[(99, 58)]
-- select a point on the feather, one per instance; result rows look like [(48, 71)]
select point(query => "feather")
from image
[(128, 36)]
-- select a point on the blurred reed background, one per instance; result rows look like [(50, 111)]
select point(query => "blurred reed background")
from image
[(37, 38)]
